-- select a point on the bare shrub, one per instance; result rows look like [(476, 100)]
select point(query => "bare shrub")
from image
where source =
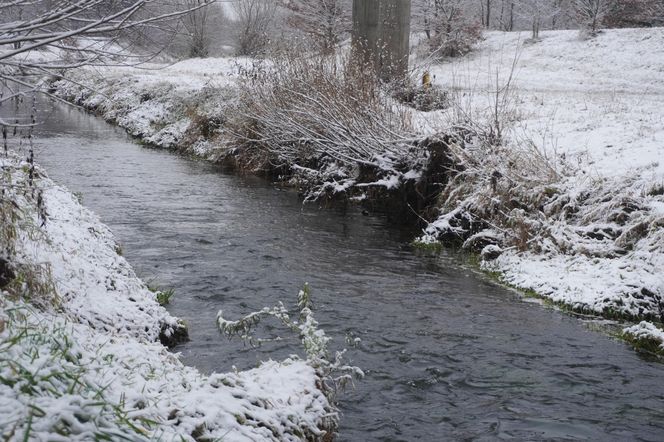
[(425, 98), (456, 41), (322, 117), (254, 19), (449, 30)]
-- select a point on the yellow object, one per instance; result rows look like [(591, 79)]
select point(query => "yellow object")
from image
[(426, 80)]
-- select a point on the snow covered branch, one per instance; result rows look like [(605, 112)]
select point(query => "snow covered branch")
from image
[(43, 39)]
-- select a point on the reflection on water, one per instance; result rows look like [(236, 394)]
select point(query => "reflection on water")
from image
[(448, 356)]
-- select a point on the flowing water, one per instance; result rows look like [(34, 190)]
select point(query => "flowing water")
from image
[(447, 355)]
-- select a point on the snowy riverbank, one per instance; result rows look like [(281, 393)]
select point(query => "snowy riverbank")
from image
[(79, 334), (587, 113), (569, 204), (181, 106)]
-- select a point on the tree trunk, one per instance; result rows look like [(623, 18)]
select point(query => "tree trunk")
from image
[(381, 36)]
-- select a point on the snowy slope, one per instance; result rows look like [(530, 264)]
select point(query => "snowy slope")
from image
[(597, 102), (594, 111), (160, 104)]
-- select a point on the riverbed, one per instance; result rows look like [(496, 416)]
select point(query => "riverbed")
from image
[(447, 354)]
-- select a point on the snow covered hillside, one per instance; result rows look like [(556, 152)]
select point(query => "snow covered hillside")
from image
[(596, 102), (79, 339), (590, 112)]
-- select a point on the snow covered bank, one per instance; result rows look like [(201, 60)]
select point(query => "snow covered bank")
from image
[(181, 106), (79, 342), (646, 336), (570, 204)]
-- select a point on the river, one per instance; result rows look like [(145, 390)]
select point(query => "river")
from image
[(447, 354)]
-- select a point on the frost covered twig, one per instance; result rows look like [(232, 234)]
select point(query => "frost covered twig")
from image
[(72, 34)]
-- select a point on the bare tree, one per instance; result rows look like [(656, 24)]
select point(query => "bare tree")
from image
[(196, 26), (449, 30), (537, 11), (591, 13), (506, 16), (422, 12), (255, 17), (561, 15), (76, 32), (325, 21)]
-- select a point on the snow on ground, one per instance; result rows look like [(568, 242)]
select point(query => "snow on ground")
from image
[(593, 110), (78, 334), (597, 102)]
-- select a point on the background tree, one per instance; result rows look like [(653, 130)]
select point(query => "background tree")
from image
[(506, 15), (196, 26), (591, 14), (537, 12), (486, 12), (326, 22), (448, 27), (635, 13), (254, 19)]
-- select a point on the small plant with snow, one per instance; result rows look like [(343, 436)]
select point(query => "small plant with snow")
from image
[(333, 373)]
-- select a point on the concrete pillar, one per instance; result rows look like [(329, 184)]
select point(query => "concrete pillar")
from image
[(381, 36)]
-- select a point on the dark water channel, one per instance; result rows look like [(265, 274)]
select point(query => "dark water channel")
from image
[(448, 356)]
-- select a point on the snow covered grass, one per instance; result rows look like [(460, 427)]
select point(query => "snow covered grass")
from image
[(561, 148), (63, 381), (80, 357)]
